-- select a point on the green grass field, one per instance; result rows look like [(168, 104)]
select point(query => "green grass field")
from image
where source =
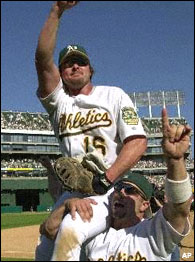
[(11, 220)]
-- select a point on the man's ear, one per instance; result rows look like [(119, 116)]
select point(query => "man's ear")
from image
[(145, 205)]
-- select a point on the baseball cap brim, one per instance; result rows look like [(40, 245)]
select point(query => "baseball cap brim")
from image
[(74, 54), (75, 51), (142, 184), (140, 181), (148, 212)]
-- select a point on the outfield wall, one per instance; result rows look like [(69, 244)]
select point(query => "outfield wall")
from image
[(25, 194)]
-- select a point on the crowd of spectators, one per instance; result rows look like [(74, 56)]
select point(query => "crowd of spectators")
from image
[(11, 167), (34, 163), (21, 163), (149, 164), (154, 125), (25, 121), (157, 181), (39, 170), (156, 164)]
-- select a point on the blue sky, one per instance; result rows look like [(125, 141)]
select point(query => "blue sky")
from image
[(137, 45)]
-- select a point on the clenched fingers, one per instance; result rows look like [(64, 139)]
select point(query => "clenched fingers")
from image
[(177, 132), (66, 4), (172, 133)]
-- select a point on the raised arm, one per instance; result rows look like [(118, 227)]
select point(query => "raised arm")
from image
[(178, 188), (47, 71)]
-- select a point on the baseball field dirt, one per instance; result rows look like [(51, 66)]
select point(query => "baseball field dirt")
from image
[(21, 242)]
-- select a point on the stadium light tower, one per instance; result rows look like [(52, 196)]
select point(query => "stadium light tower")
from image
[(158, 98), (149, 105), (178, 107)]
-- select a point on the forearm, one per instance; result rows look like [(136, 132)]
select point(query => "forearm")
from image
[(130, 154), (51, 225), (177, 185), (176, 169), (178, 207), (48, 36)]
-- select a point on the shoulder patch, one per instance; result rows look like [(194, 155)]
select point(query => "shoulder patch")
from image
[(129, 116)]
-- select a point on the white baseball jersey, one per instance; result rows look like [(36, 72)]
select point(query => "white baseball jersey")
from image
[(150, 240), (102, 119)]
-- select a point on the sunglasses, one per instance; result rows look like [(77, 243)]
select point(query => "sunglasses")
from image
[(78, 61), (128, 189)]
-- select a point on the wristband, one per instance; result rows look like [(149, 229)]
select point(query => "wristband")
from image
[(178, 191)]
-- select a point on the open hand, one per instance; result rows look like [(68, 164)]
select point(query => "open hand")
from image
[(82, 206)]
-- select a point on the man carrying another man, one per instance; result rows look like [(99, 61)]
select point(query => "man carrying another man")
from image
[(131, 235)]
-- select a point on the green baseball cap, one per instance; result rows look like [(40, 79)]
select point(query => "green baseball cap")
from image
[(141, 182), (69, 50)]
